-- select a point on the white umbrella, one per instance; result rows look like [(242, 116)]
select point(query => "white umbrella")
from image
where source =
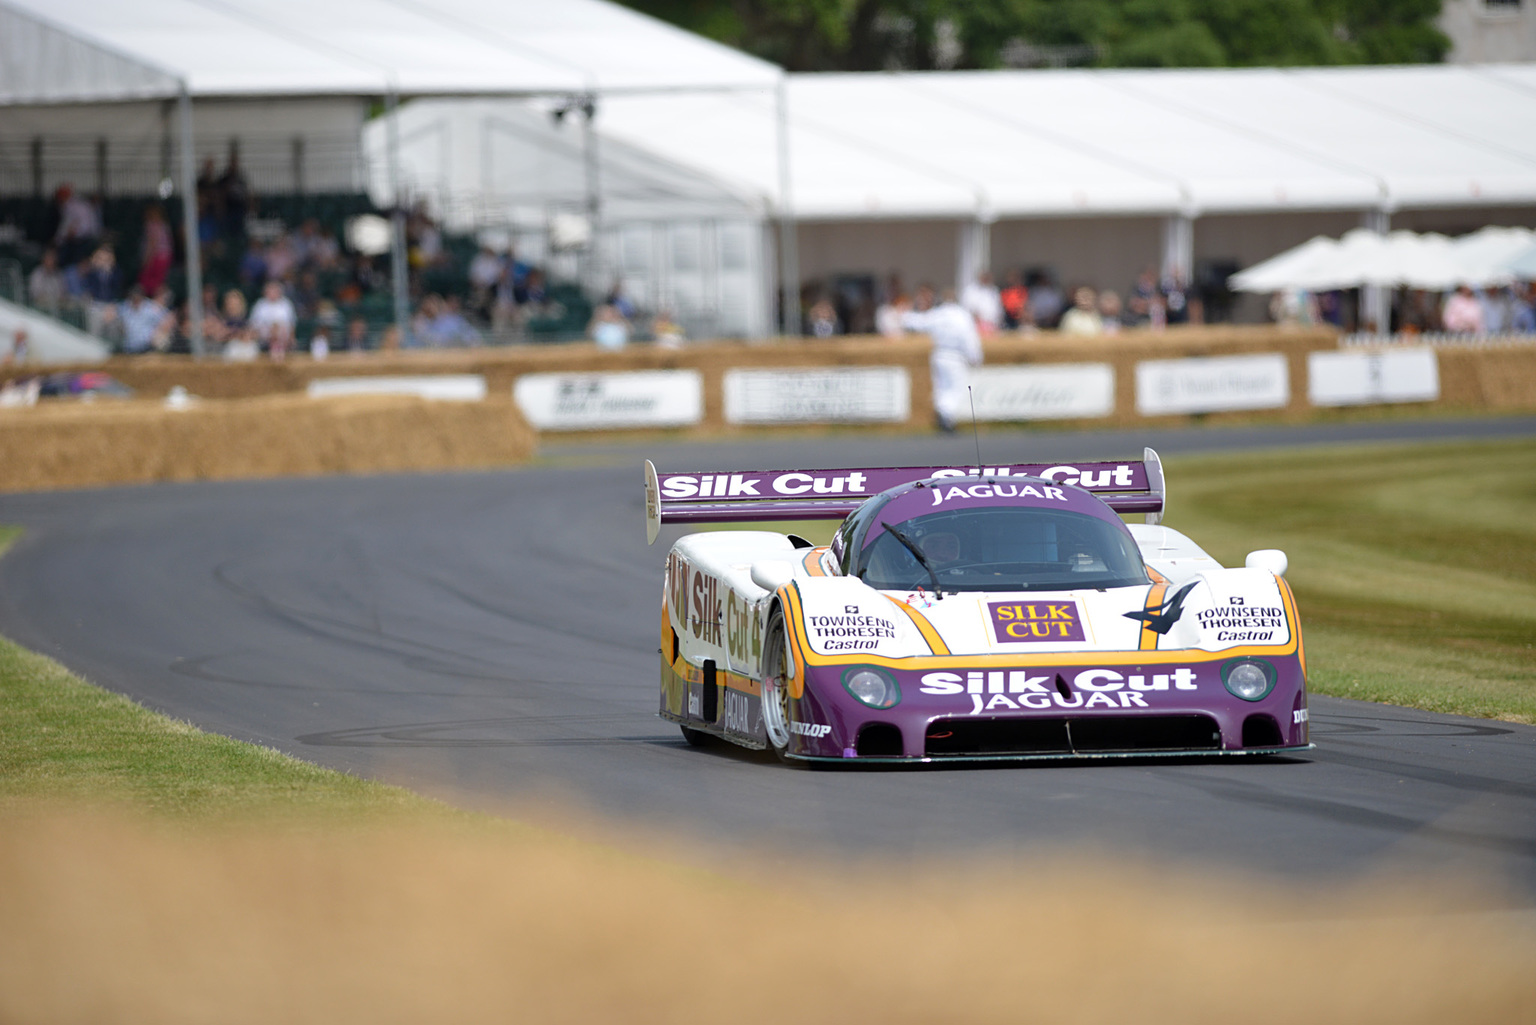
[(1285, 270), (1416, 261), (1522, 266), (1362, 257), (1484, 255)]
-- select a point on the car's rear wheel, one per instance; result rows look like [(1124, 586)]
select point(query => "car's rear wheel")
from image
[(695, 738), (776, 716)]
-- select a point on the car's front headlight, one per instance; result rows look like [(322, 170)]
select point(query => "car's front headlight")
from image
[(1248, 678), (874, 687)]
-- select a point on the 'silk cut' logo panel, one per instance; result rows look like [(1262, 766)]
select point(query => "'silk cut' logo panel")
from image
[(1035, 621)]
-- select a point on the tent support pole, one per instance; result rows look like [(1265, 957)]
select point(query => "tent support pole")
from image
[(1179, 248), (591, 168), (789, 256), (1375, 302), (975, 252), (193, 247), (399, 283)]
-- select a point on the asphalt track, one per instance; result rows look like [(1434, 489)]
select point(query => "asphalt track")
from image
[(491, 638)]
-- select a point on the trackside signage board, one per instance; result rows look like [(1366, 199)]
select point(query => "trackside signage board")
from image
[(829, 395), (1048, 392), (1384, 375), (589, 402), (1212, 384), (444, 387)]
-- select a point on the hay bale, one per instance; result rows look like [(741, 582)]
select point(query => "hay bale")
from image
[(81, 445)]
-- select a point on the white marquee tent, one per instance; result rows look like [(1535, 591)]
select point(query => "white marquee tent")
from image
[(83, 50), (980, 148), (679, 239), (58, 54), (1054, 143)]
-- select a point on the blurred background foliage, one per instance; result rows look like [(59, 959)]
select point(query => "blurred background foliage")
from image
[(920, 35)]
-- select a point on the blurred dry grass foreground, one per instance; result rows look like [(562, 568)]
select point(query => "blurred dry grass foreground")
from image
[(107, 918)]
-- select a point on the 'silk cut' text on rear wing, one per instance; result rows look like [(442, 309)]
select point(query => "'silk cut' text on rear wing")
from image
[(1131, 486)]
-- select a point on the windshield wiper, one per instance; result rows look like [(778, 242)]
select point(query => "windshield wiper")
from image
[(1161, 618), (917, 553)]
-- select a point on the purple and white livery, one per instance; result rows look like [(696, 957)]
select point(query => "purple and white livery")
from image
[(1002, 612)]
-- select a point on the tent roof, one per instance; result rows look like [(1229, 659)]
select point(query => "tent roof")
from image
[(106, 50), (1100, 142), (477, 159)]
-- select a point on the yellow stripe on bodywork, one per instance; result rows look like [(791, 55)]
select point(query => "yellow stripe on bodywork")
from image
[(1295, 620), (935, 642), (1154, 599)]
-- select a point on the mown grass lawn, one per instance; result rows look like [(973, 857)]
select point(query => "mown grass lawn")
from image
[(1414, 565)]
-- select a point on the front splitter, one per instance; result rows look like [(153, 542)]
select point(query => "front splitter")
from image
[(1055, 756)]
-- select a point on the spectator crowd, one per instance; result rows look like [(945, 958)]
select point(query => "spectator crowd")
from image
[(1492, 310), (270, 288), (278, 277), (1029, 304), (1024, 303)]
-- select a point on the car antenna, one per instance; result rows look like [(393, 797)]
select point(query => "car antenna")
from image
[(975, 431)]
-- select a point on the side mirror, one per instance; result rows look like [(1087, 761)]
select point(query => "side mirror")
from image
[(772, 575), (1272, 559)]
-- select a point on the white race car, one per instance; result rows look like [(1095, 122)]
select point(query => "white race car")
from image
[(969, 613)]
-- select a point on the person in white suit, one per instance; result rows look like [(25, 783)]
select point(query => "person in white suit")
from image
[(956, 348)]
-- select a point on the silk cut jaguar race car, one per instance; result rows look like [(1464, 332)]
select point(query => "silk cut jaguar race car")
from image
[(980, 613)]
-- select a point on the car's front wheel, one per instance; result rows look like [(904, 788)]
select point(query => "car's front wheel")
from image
[(776, 714)]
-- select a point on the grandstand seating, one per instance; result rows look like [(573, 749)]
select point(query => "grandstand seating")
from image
[(123, 219)]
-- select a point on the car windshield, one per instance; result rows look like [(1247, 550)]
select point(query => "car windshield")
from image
[(1013, 548)]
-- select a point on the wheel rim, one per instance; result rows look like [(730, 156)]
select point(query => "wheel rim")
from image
[(775, 692)]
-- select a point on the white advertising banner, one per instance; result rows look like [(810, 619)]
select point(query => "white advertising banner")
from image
[(592, 402), (1053, 391), (1356, 378), (445, 387), (821, 395), (1212, 384)]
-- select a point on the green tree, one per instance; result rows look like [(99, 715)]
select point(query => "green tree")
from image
[(870, 35)]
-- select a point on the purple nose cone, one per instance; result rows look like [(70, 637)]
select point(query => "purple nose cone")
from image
[(947, 494)]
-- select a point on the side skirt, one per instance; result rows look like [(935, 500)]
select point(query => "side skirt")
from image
[(715, 731), (705, 701)]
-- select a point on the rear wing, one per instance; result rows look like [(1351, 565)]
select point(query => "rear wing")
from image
[(1132, 486)]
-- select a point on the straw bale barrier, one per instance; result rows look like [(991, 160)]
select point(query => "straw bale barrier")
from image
[(156, 375), (1490, 378), (1471, 378), (72, 444)]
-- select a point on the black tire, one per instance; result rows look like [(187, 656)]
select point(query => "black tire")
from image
[(695, 738)]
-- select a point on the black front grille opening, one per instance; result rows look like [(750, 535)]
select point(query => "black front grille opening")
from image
[(951, 737), (1261, 730), (879, 740), (1146, 733)]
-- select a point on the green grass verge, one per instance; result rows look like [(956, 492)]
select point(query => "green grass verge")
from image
[(61, 737), (64, 738), (1414, 565)]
